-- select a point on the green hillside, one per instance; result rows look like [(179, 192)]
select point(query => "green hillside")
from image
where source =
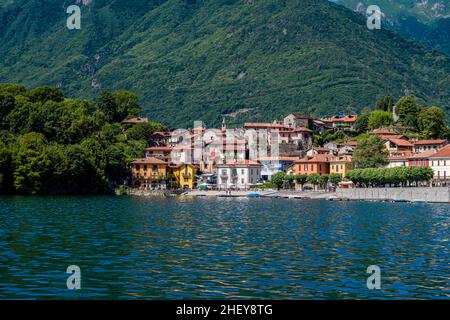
[(196, 60)]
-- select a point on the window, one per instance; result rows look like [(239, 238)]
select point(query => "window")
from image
[(305, 167), (242, 181), (138, 167), (242, 171), (155, 168), (186, 180), (251, 171)]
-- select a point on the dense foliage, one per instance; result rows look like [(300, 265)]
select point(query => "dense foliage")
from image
[(282, 180), (198, 60), (370, 152), (400, 176), (53, 145)]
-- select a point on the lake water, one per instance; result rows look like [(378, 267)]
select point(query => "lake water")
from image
[(198, 248)]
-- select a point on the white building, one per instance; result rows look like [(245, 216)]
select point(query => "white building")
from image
[(440, 163), (238, 174), (428, 145)]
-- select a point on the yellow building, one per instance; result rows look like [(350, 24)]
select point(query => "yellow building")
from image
[(147, 173), (341, 165), (184, 175)]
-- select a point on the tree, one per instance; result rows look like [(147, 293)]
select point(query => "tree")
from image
[(12, 89), (313, 179), (323, 180), (31, 163), (379, 119), (385, 104), (118, 105), (289, 181), (107, 105), (408, 111), (144, 131), (432, 123), (362, 123), (46, 93), (301, 179), (7, 104), (53, 145), (5, 168), (278, 179), (370, 153), (382, 176), (335, 179), (127, 104)]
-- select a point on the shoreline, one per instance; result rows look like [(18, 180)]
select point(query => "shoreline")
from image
[(406, 195)]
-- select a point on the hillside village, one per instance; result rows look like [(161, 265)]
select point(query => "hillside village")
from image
[(225, 163)]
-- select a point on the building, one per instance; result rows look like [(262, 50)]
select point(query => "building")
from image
[(320, 126), (387, 134), (272, 165), (319, 150), (296, 120), (399, 160), (148, 173), (440, 163), (183, 175), (341, 122), (300, 136), (341, 165), (420, 159), (238, 174), (316, 164), (163, 153), (398, 146), (160, 138), (428, 145)]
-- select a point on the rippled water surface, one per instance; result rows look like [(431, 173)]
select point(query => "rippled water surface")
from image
[(198, 248)]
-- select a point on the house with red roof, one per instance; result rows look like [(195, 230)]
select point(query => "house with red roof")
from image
[(147, 173), (345, 122), (398, 146), (427, 145), (316, 164)]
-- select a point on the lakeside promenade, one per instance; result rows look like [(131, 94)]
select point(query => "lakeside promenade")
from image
[(411, 194)]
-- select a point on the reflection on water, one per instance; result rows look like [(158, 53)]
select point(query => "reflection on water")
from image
[(197, 248)]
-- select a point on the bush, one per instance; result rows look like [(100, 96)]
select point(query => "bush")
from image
[(396, 176)]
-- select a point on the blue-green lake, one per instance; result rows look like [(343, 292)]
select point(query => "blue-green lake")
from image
[(221, 248)]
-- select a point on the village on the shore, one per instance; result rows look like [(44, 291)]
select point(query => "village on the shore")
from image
[(212, 159)]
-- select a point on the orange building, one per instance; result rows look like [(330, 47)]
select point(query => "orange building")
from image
[(147, 172), (317, 164)]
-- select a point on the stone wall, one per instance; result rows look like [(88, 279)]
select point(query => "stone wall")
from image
[(397, 194)]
